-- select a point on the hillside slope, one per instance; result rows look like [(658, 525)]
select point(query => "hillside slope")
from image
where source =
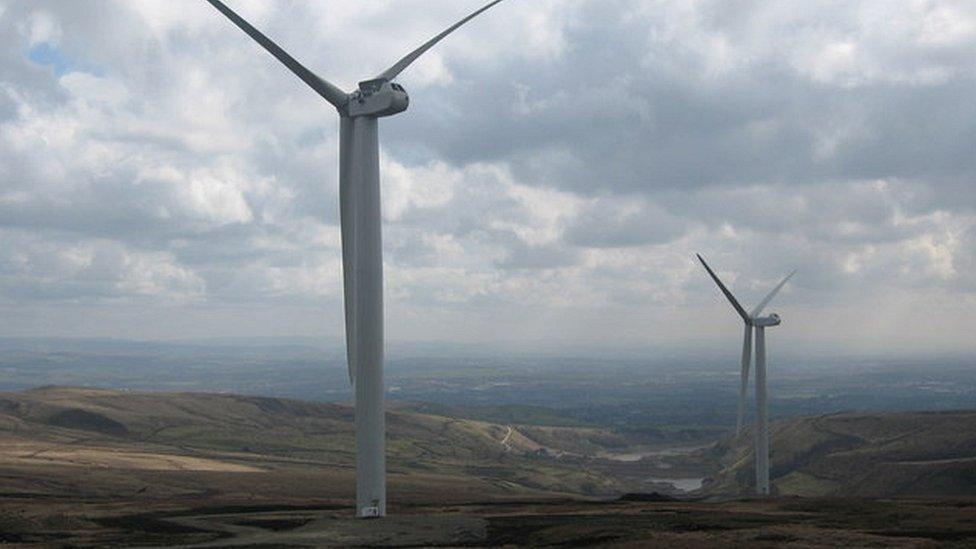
[(859, 454), (234, 443), (95, 468)]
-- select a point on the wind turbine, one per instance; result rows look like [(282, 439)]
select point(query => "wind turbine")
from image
[(362, 251), (760, 323)]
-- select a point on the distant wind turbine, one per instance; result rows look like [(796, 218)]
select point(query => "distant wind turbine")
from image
[(362, 253), (752, 319)]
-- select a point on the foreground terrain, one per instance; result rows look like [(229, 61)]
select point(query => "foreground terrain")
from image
[(89, 467), (281, 522)]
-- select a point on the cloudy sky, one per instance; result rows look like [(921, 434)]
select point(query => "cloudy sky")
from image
[(561, 162)]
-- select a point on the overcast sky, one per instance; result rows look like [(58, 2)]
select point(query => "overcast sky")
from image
[(161, 176)]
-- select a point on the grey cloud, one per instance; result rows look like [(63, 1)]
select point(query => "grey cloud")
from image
[(625, 221), (667, 124), (523, 256), (573, 167)]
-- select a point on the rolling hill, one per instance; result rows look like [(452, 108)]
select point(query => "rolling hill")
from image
[(859, 454), (96, 468), (158, 440)]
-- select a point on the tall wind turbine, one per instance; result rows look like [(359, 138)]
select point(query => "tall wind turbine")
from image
[(362, 253), (753, 320)]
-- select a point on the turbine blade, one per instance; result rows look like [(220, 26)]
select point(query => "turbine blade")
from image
[(762, 304), (327, 90), (347, 216), (362, 249), (728, 294), (744, 378), (392, 72)]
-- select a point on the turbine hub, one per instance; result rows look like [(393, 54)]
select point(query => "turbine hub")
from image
[(378, 98)]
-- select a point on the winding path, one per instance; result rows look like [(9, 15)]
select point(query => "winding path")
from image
[(508, 435)]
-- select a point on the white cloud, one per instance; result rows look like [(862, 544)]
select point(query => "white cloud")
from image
[(204, 196), (41, 27), (91, 270), (422, 187), (157, 275), (546, 211)]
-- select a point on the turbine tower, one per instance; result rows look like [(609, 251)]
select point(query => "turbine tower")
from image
[(362, 253), (760, 323)]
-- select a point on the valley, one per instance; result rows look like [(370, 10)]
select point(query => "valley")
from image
[(96, 467)]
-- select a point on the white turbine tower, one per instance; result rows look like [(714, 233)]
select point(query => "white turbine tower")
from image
[(362, 259), (753, 320)]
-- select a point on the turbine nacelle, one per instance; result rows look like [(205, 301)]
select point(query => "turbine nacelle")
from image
[(766, 321), (377, 98)]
